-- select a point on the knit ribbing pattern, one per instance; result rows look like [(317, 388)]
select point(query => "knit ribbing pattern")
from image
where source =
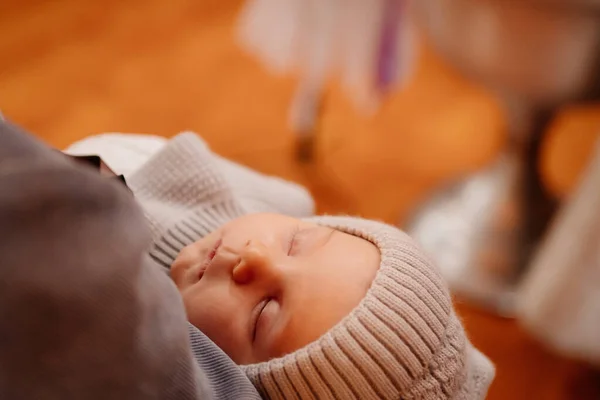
[(403, 340), (183, 196)]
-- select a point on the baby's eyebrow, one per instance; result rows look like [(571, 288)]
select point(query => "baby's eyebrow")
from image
[(317, 237), (331, 233), (326, 231)]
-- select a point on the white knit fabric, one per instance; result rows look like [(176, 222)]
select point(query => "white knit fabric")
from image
[(126, 153)]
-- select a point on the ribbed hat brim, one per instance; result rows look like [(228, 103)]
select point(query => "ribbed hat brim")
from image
[(403, 340)]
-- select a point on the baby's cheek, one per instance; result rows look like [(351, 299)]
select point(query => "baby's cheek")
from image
[(200, 312), (184, 261), (213, 316)]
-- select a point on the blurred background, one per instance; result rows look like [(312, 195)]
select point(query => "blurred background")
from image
[(471, 123)]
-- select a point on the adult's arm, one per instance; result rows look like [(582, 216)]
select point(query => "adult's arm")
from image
[(84, 312)]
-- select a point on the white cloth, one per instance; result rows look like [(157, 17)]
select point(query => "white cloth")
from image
[(123, 153)]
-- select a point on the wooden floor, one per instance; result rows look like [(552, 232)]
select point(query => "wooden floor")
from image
[(71, 68)]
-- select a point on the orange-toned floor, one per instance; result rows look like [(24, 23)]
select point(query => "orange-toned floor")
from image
[(71, 68)]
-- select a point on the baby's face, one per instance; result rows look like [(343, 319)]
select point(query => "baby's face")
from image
[(265, 285)]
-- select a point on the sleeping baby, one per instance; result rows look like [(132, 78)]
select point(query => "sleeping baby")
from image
[(309, 307)]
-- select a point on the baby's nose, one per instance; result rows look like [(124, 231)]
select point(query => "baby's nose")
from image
[(256, 264)]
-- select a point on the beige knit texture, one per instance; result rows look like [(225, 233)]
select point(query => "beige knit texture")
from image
[(404, 340)]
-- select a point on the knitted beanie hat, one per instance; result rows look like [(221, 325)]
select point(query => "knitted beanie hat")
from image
[(403, 340), (84, 313)]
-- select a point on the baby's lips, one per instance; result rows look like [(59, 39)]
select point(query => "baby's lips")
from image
[(210, 257), (213, 252)]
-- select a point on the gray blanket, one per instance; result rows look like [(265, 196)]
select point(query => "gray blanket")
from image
[(84, 312)]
